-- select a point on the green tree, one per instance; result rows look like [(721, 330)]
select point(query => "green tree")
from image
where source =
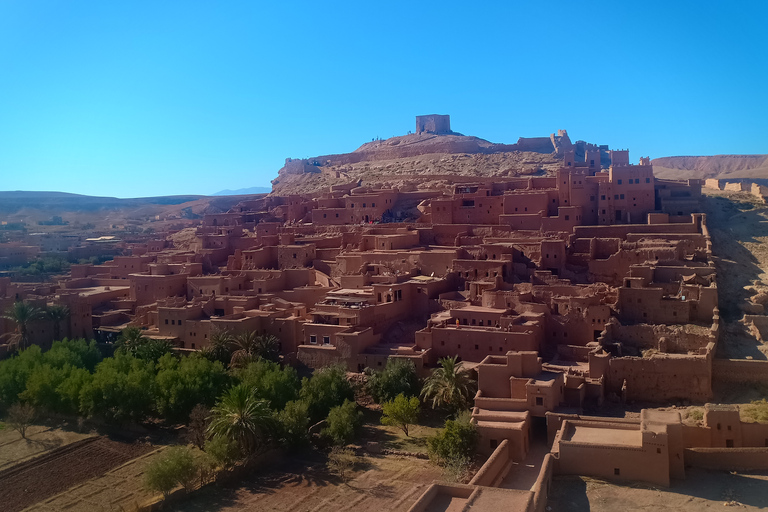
[(343, 422), (14, 373), (181, 384), (401, 412), (130, 339), (218, 348), (242, 418), (268, 347), (57, 314), (455, 442), (23, 314), (271, 382), (327, 388), (122, 389), (78, 353), (449, 385), (399, 376), (294, 424)]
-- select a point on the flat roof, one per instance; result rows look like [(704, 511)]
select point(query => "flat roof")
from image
[(606, 436)]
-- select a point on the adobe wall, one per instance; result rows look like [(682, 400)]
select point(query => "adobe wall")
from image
[(663, 377), (614, 462), (727, 459), (491, 470), (740, 370)]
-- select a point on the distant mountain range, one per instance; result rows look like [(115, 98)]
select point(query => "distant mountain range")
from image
[(244, 191)]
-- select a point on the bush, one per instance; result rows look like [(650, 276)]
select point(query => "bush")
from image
[(327, 388), (177, 466), (401, 412), (294, 424), (222, 450), (343, 422), (455, 442), (398, 377)]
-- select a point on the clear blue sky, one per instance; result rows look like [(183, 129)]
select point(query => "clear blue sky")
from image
[(142, 98)]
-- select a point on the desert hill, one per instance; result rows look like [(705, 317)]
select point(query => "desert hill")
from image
[(31, 208), (717, 166), (417, 161)]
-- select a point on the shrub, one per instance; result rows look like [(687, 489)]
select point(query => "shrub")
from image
[(178, 465), (343, 422), (456, 441), (222, 450)]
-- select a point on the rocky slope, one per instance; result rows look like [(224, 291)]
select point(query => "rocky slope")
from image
[(416, 161), (717, 166)]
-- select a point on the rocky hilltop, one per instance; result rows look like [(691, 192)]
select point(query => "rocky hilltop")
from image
[(717, 166), (426, 160)]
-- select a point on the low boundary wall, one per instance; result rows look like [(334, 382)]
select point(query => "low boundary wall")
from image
[(729, 459)]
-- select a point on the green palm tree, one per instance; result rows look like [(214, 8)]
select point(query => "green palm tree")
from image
[(130, 340), (57, 314), (449, 385), (240, 417), (23, 314), (244, 349), (218, 348), (268, 347)]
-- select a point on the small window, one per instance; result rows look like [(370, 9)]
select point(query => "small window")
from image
[(539, 400), (312, 339), (621, 196), (326, 340), (166, 321), (658, 450), (619, 182), (616, 471), (647, 180)]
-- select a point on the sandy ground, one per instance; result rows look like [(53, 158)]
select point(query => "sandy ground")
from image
[(701, 490), (40, 439)]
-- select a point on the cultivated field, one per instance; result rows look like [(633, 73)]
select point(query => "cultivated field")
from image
[(39, 478), (388, 483)]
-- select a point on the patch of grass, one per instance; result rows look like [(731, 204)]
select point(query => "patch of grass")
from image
[(757, 411), (695, 415), (392, 438), (2, 425)]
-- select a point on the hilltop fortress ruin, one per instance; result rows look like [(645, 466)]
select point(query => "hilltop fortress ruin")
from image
[(577, 279)]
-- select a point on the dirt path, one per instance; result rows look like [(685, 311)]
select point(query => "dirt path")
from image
[(701, 490), (37, 479)]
